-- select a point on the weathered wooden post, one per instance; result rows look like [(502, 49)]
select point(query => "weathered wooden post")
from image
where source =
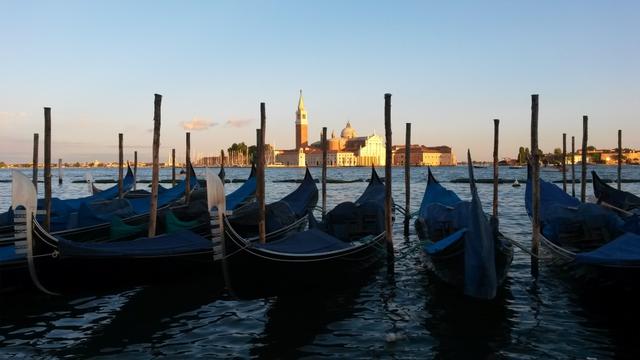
[(496, 128), (34, 176), (135, 169), (573, 166), (222, 173), (47, 168), (535, 194), (173, 167), (261, 174), (619, 159), (187, 191), (324, 172), (583, 175), (120, 164), (407, 177), (155, 170), (564, 162), (388, 203), (59, 171)]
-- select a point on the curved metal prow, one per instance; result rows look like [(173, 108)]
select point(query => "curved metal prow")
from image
[(24, 196)]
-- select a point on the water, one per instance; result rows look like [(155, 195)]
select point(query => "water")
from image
[(404, 315)]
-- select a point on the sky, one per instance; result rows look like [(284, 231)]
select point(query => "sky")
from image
[(451, 66)]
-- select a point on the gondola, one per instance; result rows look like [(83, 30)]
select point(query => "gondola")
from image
[(13, 260), (591, 242), (623, 200), (349, 241), (68, 261), (463, 249), (282, 217), (61, 208)]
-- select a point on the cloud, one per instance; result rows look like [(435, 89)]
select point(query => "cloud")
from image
[(238, 123), (197, 123)]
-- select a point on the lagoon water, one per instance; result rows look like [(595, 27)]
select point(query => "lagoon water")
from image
[(404, 314)]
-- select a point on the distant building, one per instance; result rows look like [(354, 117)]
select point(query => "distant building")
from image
[(346, 150), (420, 155)]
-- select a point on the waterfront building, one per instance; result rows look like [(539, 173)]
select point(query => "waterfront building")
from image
[(420, 155)]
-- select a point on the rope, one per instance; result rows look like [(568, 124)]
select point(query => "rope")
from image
[(524, 248)]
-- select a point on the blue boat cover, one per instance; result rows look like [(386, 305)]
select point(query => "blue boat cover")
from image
[(313, 241), (432, 248), (298, 200), (623, 251), (563, 214), (443, 211), (436, 194), (480, 279), (241, 194), (6, 218), (374, 191), (8, 254), (61, 209), (179, 243), (142, 205)]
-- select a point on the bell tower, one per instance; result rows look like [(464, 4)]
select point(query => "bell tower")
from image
[(301, 125)]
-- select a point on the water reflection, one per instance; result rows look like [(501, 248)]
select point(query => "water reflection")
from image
[(467, 328)]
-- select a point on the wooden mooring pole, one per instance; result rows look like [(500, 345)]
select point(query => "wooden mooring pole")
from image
[(564, 162), (135, 169), (407, 177), (388, 203), (573, 166), (187, 191), (173, 167), (222, 166), (535, 194), (155, 171), (496, 132), (34, 175), (47, 168), (619, 159), (324, 172), (261, 173), (583, 175), (59, 171), (120, 165)]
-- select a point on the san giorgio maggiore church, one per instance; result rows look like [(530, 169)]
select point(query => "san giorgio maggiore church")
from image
[(351, 150)]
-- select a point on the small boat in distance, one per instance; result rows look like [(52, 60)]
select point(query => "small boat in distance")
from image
[(516, 167), (516, 183)]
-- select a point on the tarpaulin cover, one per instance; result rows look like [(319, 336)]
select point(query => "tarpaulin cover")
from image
[(311, 241), (8, 254), (480, 279), (436, 193), (142, 205), (623, 251), (180, 243), (432, 248), (241, 194)]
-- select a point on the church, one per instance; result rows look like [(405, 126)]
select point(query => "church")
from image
[(346, 150)]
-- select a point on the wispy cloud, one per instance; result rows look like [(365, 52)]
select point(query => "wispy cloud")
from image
[(197, 123), (238, 123)]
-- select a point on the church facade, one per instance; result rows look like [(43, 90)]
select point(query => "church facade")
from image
[(349, 149), (346, 150)]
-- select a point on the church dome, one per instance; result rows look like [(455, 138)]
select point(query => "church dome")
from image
[(348, 132)]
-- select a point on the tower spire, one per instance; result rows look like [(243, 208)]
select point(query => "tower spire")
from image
[(301, 102)]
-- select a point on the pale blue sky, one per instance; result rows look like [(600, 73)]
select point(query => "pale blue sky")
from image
[(451, 66)]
